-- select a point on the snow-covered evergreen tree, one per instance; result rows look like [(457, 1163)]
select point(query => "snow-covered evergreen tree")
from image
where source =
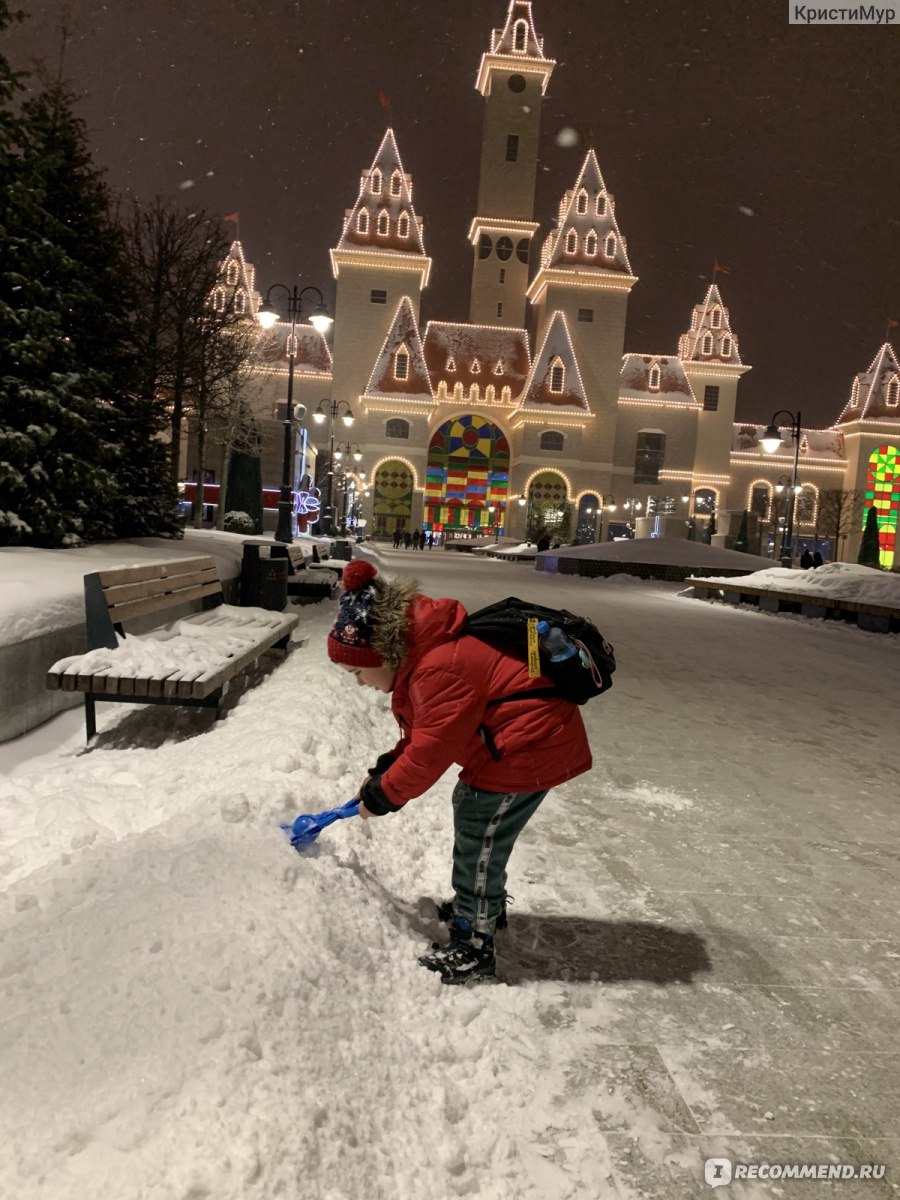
[(870, 547), (77, 443)]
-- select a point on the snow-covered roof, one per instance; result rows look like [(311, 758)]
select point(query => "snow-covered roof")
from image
[(312, 354), (477, 354), (814, 443), (875, 394), (383, 217), (235, 288), (554, 383), (587, 236), (639, 371), (410, 381), (710, 337)]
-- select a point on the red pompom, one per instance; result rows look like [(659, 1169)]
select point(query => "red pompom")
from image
[(357, 574)]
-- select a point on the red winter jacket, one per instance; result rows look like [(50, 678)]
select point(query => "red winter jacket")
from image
[(440, 698)]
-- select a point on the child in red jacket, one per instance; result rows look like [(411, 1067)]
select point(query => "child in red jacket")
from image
[(445, 687)]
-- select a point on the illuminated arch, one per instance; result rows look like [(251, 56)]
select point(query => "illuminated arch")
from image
[(467, 473), (883, 494), (394, 479)]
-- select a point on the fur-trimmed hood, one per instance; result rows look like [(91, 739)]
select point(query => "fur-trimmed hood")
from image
[(392, 617)]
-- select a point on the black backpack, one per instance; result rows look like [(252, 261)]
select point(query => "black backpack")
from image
[(579, 678)]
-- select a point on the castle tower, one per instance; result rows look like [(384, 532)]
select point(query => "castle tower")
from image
[(585, 273), (711, 357), (379, 259), (869, 424), (513, 79)]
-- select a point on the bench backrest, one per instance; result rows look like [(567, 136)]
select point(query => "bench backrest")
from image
[(296, 556), (113, 597)]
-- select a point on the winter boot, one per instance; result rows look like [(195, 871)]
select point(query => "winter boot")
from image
[(468, 956), (445, 913)]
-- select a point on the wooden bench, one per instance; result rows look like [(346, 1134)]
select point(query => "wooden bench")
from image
[(307, 580), (876, 618), (188, 663)]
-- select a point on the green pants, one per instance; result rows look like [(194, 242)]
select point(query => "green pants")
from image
[(485, 828)]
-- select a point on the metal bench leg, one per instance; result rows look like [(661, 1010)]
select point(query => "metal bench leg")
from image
[(90, 715)]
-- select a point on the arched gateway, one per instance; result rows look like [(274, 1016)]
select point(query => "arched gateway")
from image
[(467, 477)]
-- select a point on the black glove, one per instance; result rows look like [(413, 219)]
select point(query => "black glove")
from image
[(382, 762), (373, 797)]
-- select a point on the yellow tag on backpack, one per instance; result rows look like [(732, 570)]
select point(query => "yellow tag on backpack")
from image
[(534, 658)]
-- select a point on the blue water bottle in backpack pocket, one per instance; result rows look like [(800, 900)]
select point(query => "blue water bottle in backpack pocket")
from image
[(554, 642)]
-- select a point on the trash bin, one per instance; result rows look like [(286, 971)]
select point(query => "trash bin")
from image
[(263, 578), (342, 549)]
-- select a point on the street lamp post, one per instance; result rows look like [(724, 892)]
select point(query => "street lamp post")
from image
[(526, 503), (330, 409), (770, 441), (321, 320)]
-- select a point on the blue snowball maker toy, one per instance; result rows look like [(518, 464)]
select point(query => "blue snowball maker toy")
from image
[(307, 827)]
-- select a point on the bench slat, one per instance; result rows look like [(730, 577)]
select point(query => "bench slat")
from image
[(164, 570), (139, 608), (122, 593), (205, 684)]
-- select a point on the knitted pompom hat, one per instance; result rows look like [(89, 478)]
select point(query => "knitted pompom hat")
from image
[(350, 639)]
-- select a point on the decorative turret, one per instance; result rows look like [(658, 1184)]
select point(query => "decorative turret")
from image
[(710, 338), (586, 237), (554, 383), (513, 78), (400, 373), (235, 289), (875, 394), (379, 261), (383, 218)]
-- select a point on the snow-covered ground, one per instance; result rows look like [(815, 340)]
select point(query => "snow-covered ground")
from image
[(702, 954)]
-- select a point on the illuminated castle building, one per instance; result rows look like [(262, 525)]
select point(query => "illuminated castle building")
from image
[(533, 405)]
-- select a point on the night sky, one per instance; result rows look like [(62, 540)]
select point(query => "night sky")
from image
[(722, 131)]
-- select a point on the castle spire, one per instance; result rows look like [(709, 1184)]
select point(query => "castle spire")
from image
[(875, 394), (587, 236), (517, 42), (383, 218), (710, 338)]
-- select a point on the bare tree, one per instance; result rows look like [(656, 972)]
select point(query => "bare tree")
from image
[(176, 258), (838, 514)]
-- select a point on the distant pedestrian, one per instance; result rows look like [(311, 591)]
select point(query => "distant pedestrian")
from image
[(407, 539), (806, 559), (543, 542), (416, 539), (818, 561), (397, 538), (430, 539)]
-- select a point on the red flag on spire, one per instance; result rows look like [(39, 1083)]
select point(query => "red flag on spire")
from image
[(233, 217), (384, 100), (893, 323), (718, 269)]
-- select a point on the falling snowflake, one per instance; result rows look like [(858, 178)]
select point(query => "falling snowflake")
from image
[(567, 136), (185, 184), (745, 211)]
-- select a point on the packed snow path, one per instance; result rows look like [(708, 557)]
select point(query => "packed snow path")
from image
[(702, 956)]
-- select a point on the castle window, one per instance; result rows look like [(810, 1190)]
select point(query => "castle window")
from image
[(854, 395), (476, 366), (219, 299), (396, 428), (707, 344), (552, 440), (600, 206), (401, 364), (378, 296), (610, 247), (805, 512), (240, 301), (581, 203), (362, 221), (396, 183), (711, 398), (232, 275), (485, 246), (726, 346), (499, 310), (571, 242), (520, 37), (512, 147), (557, 377), (590, 244), (649, 456), (717, 318), (893, 392), (504, 248), (653, 383), (498, 369), (403, 225), (522, 247), (383, 223), (759, 500), (375, 182), (503, 274), (451, 364), (585, 314)]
